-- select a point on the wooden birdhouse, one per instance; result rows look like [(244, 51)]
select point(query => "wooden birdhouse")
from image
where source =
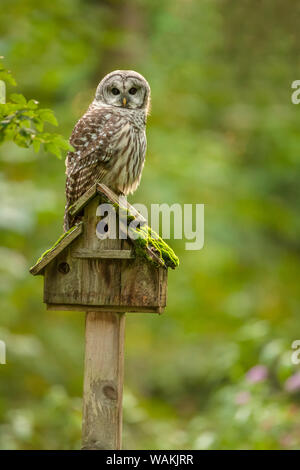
[(98, 267), (105, 265)]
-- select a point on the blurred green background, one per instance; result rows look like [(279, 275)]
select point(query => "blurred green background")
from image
[(215, 371)]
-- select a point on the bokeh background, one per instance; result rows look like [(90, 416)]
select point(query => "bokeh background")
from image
[(215, 371)]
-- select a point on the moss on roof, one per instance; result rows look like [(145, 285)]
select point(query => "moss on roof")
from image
[(64, 235), (149, 238), (144, 237), (146, 242)]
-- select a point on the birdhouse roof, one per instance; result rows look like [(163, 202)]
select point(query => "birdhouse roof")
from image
[(146, 242)]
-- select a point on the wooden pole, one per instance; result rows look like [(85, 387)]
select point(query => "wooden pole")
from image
[(103, 380)]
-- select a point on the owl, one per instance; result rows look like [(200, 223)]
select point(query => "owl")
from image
[(109, 140)]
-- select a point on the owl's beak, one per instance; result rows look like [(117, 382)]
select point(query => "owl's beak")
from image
[(124, 101)]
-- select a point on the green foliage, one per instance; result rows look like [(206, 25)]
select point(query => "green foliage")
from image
[(5, 75), (222, 132), (23, 122)]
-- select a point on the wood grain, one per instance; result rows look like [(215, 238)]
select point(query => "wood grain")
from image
[(107, 195), (69, 238), (103, 381), (104, 308), (103, 273), (104, 254)]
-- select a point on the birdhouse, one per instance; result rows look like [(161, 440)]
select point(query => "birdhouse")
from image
[(105, 265), (114, 263)]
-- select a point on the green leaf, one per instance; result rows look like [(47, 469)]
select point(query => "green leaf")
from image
[(61, 142), (21, 141), (18, 98), (53, 148), (32, 104), (48, 116), (38, 124), (7, 77), (25, 123), (36, 145)]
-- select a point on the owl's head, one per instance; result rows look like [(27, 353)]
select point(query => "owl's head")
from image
[(124, 88)]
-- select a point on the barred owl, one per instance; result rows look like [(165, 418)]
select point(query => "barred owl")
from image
[(109, 140)]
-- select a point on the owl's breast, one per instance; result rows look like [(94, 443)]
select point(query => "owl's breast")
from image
[(128, 155)]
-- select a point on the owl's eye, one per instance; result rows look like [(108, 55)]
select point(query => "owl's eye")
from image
[(115, 91), (132, 91)]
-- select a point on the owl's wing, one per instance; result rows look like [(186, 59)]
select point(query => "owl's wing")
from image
[(94, 140)]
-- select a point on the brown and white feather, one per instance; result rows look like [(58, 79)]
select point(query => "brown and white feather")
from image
[(109, 147)]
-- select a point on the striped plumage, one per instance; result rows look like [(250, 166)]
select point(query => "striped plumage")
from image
[(109, 140)]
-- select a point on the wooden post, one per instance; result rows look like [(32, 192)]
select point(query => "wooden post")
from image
[(103, 380)]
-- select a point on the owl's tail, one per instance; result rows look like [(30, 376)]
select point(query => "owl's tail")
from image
[(67, 219)]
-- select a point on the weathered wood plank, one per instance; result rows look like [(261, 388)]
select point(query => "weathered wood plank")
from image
[(100, 277), (108, 195), (83, 200), (103, 273), (69, 238), (104, 254), (104, 308), (64, 285), (139, 284), (103, 381), (127, 284), (163, 286)]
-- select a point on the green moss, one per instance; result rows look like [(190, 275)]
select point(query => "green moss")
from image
[(70, 207), (56, 243), (144, 237), (124, 213), (150, 239)]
